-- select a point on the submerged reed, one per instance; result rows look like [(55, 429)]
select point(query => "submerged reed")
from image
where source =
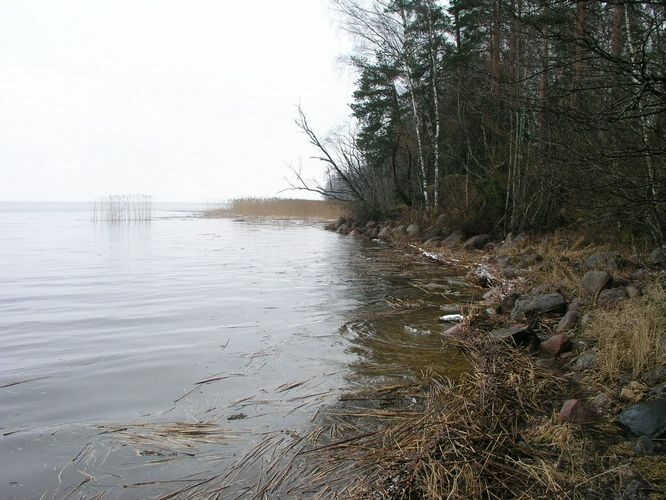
[(122, 208)]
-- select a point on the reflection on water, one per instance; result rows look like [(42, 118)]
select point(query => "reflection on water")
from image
[(134, 355)]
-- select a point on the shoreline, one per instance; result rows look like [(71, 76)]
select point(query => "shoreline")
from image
[(544, 326)]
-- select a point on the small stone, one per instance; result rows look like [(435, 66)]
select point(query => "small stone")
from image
[(633, 292), (568, 321), (370, 224), (644, 446), (602, 403), (640, 274), (645, 419), (658, 256), (576, 411), (478, 241), (575, 305), (634, 391), (595, 281), (354, 232), (237, 416), (611, 298), (399, 231), (431, 243), (587, 319), (555, 344), (586, 361), (507, 303), (489, 312)]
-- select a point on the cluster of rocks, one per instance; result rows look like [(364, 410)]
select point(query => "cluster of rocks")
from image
[(434, 236), (646, 419), (600, 286)]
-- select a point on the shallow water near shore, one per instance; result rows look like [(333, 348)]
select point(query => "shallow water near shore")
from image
[(139, 356)]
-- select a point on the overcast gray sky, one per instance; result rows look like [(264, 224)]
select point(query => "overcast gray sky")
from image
[(185, 100)]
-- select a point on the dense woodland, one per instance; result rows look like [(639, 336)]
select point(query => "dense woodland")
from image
[(504, 115)]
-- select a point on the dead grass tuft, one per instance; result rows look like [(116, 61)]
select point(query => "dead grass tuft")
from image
[(490, 434), (280, 207), (629, 337)]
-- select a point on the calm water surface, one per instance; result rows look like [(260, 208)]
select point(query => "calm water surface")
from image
[(109, 331)]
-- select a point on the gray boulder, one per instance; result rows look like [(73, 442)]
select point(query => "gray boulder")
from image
[(478, 241), (595, 281), (452, 239), (645, 419), (586, 361), (533, 305), (412, 230)]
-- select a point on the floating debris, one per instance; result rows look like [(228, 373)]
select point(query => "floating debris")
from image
[(451, 318)]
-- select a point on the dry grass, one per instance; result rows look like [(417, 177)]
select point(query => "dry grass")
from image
[(281, 208), (628, 337), (492, 434)]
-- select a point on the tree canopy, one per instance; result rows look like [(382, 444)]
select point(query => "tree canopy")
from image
[(506, 115)]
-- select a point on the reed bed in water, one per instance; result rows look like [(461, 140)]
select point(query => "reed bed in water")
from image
[(279, 207), (122, 208)]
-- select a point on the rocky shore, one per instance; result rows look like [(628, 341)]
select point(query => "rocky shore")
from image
[(593, 317)]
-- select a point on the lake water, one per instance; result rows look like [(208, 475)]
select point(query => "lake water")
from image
[(115, 339)]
